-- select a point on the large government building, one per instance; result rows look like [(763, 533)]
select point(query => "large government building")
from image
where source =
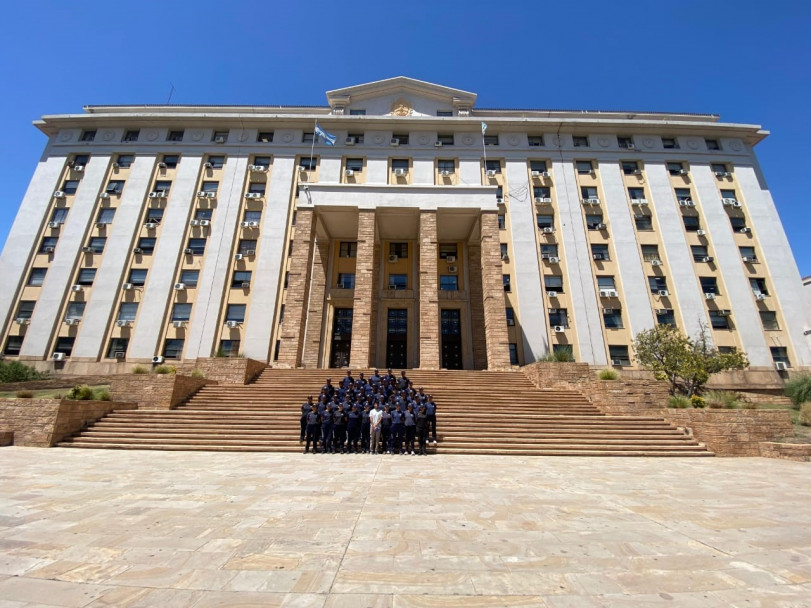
[(432, 234)]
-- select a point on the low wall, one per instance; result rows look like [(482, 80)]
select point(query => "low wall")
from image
[(57, 382), (45, 422), (156, 391), (787, 451), (226, 370), (556, 375), (733, 432)]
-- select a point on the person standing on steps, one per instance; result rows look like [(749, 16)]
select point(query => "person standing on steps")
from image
[(397, 430), (385, 429), (375, 429), (404, 381), (312, 429), (328, 389), (305, 410), (430, 411), (422, 430), (339, 432), (365, 428), (326, 430), (410, 429), (353, 428)]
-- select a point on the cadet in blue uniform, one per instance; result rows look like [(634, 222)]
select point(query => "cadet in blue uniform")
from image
[(305, 410), (396, 446), (422, 430), (312, 430), (326, 430), (430, 411), (385, 429), (365, 428), (339, 422), (410, 429), (353, 428)]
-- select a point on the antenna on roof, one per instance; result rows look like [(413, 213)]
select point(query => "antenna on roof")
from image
[(171, 91)]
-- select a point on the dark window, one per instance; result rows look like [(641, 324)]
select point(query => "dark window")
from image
[(175, 136), (545, 221), (619, 355), (203, 214), (48, 244), (510, 316), (146, 245), (189, 277), (737, 223), (79, 160), (584, 166), (629, 167), (674, 168), (606, 282), (691, 223), (257, 188), (398, 249), (307, 138), (357, 136), (491, 140), (118, 348), (181, 311), (553, 282), (209, 186), (197, 246), (665, 316), (173, 349), (354, 164), (549, 250), (125, 160), (97, 243), (261, 161), (13, 346), (70, 186), (247, 246), (252, 216), (216, 162), (105, 216), (580, 141), (444, 113), (712, 144), (115, 186), (86, 276), (719, 319), (625, 142), (399, 163), (600, 252), (537, 165), (137, 276), (587, 192), (59, 215), (505, 281), (357, 112), (229, 348), (636, 194), (25, 309), (235, 312), (88, 136), (346, 280), (127, 311), (513, 353), (446, 165), (758, 286), (558, 317), (398, 281), (502, 222), (265, 137), (402, 138), (64, 345), (448, 282), (780, 355), (670, 143), (153, 216), (446, 249), (644, 223), (503, 250), (683, 194), (535, 140), (650, 253), (493, 165), (769, 320), (170, 160), (37, 277), (75, 310), (445, 139), (612, 317), (131, 136), (594, 222), (219, 136), (657, 284), (307, 163), (708, 285), (718, 168), (542, 192), (240, 277), (699, 252)]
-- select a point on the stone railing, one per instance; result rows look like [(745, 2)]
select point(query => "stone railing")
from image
[(787, 451), (156, 391), (226, 370)]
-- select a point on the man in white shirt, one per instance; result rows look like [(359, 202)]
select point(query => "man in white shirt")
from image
[(374, 422)]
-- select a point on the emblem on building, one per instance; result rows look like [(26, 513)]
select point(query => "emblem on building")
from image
[(402, 107)]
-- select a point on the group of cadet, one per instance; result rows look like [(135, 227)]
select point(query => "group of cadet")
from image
[(383, 414)]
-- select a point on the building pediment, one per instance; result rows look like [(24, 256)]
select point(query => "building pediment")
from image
[(400, 96)]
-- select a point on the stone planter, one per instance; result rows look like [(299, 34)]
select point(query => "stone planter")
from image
[(226, 370), (156, 391)]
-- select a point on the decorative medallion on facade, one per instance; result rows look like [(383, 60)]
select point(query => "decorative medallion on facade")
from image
[(692, 144), (197, 135), (603, 141), (152, 135), (402, 107)]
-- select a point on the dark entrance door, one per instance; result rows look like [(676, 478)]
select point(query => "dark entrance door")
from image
[(341, 338), (397, 338), (451, 339)]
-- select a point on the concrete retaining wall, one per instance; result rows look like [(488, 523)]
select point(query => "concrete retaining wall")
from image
[(156, 391)]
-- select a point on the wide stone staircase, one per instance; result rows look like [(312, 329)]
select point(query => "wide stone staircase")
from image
[(478, 412)]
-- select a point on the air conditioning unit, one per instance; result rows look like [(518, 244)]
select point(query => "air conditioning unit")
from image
[(137, 250), (393, 259), (730, 202), (208, 166), (491, 173), (157, 194), (400, 172), (616, 361), (709, 296), (22, 321), (219, 140), (194, 223), (232, 324), (780, 366), (350, 141), (104, 195), (150, 225), (252, 224), (750, 259), (637, 171), (760, 296), (211, 195), (205, 223), (542, 199), (349, 173), (745, 230), (127, 286), (499, 199), (545, 174), (157, 359), (180, 286), (701, 232), (76, 288), (178, 324), (72, 321), (59, 194), (250, 252), (453, 269), (246, 284), (78, 168), (123, 323), (721, 174), (548, 230), (87, 250), (451, 259), (552, 294), (162, 165), (608, 311), (686, 202), (257, 168), (116, 166), (656, 262), (58, 357), (663, 293), (630, 146), (600, 227), (535, 173), (591, 201), (608, 293), (438, 144), (662, 311), (684, 172), (200, 194), (119, 354), (708, 258), (725, 312), (188, 251), (253, 195), (445, 173), (598, 256), (48, 249), (53, 224), (554, 260), (394, 141), (639, 201), (238, 256), (559, 329)]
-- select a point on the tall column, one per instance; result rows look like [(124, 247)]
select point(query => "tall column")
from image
[(429, 294), (373, 352), (301, 261), (495, 314), (362, 307), (315, 308), (474, 256)]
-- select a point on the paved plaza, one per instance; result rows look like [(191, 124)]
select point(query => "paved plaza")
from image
[(91, 528)]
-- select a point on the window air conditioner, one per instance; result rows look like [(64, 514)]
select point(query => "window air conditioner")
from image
[(608, 293), (200, 194), (745, 230), (629, 146), (53, 224), (22, 321), (721, 174), (445, 173), (491, 173), (393, 259), (208, 165), (591, 201), (608, 311), (399, 172), (194, 223), (253, 195), (76, 288), (350, 141), (535, 173), (119, 354), (686, 202), (126, 286), (663, 293), (552, 294), (250, 252), (542, 199), (238, 256), (157, 359), (559, 329), (162, 165), (219, 140), (257, 168), (59, 194), (150, 225), (548, 230), (637, 171), (730, 202), (554, 260), (662, 311), (709, 296), (232, 324), (122, 323), (394, 141), (616, 361), (598, 256), (48, 249), (499, 199), (72, 321), (684, 172), (349, 173), (137, 250), (188, 251), (749, 258), (708, 258), (180, 286), (116, 165), (211, 195), (451, 259), (104, 195), (87, 249), (58, 356), (453, 269), (780, 366), (78, 168), (656, 262), (701, 232), (438, 144), (246, 284), (600, 227), (205, 223), (178, 324), (639, 201)]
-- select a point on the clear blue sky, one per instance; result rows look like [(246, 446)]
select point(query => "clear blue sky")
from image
[(747, 61)]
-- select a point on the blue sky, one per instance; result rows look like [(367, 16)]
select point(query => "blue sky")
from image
[(747, 61)]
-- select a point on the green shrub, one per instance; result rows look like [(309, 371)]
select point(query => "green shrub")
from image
[(81, 393), (721, 400), (166, 369), (14, 371), (697, 401), (680, 402), (608, 374), (140, 369), (561, 355), (196, 373), (25, 394), (805, 414), (798, 389), (103, 395)]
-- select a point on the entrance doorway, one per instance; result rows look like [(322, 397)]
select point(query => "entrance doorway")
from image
[(451, 339), (397, 338), (341, 338)]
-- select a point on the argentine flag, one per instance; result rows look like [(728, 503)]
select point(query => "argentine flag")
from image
[(484, 127), (328, 138)]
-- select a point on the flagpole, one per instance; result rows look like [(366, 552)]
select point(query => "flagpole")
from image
[(484, 148), (312, 147)]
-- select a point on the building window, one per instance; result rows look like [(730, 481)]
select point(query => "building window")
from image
[(493, 165), (446, 249), (600, 252), (510, 316), (59, 215), (718, 168), (181, 311), (719, 319), (127, 311), (240, 278), (738, 223), (146, 245), (729, 194), (612, 318), (354, 164), (444, 165), (699, 252), (444, 113), (137, 277), (584, 167), (545, 221), (683, 194), (665, 316), (348, 249), (308, 138), (203, 214), (537, 166), (535, 141), (70, 186), (399, 249), (235, 312), (86, 276), (210, 186), (265, 137), (619, 355), (252, 216), (257, 188), (228, 348), (48, 244), (36, 277), (502, 221), (491, 140), (748, 254), (780, 355), (173, 348), (513, 353), (13, 346), (189, 277), (131, 136), (358, 137), (644, 223), (594, 222), (636, 194), (580, 141), (65, 345), (553, 282), (88, 136), (549, 250), (712, 144), (118, 348), (446, 139), (25, 309), (398, 281), (674, 168), (606, 282), (97, 244), (357, 112), (558, 317), (105, 216), (75, 310), (448, 282), (115, 186), (170, 160), (219, 136), (175, 136), (629, 167), (650, 253), (399, 164), (544, 192), (670, 143), (505, 281), (79, 160), (588, 192), (657, 284), (769, 320), (216, 162), (286, 279), (626, 143), (247, 246), (691, 223), (346, 280), (402, 138), (758, 286), (124, 161), (262, 161), (197, 246), (504, 254)]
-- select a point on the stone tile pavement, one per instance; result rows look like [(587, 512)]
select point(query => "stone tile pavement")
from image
[(93, 528)]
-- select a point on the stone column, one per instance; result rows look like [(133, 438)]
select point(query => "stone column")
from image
[(474, 256), (429, 294), (373, 354), (315, 309), (495, 314), (301, 261), (362, 307)]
